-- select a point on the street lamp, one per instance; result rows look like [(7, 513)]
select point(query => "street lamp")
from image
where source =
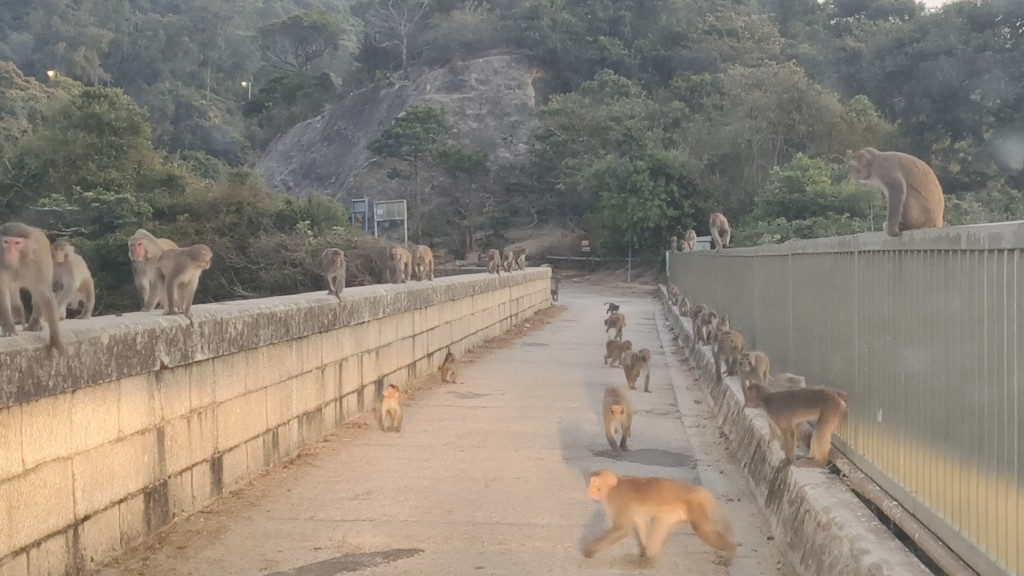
[(249, 86), (52, 74)]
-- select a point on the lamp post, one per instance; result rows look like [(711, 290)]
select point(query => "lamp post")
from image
[(248, 85), (52, 74)]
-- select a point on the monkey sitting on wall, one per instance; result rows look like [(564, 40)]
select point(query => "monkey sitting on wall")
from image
[(913, 193), (720, 230)]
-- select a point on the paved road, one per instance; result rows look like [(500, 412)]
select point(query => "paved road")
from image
[(487, 477)]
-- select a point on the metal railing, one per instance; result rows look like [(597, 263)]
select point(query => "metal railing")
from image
[(926, 334)]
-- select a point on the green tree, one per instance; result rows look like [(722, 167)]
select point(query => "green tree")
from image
[(468, 202), (412, 137), (295, 43), (643, 198)]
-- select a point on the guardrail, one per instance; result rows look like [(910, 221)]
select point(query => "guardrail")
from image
[(926, 334)]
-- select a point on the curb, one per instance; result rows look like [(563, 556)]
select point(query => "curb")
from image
[(824, 529)]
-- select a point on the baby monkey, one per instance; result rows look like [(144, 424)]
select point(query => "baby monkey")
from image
[(631, 502), (391, 408), (448, 368), (618, 417)]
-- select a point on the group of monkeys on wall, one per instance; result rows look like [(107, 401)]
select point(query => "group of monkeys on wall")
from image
[(913, 194), (56, 277)]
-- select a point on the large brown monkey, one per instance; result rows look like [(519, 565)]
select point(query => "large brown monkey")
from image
[(507, 259), (494, 261), (399, 265), (332, 266), (26, 262), (422, 261), (180, 269), (689, 241), (720, 230), (631, 502), (144, 249), (72, 275), (914, 194), (618, 417), (787, 408)]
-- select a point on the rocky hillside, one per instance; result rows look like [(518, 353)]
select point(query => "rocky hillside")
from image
[(489, 101)]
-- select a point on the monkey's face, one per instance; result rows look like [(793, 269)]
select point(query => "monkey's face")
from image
[(60, 253), (13, 245), (600, 484), (746, 362), (860, 166), (616, 410), (137, 249)]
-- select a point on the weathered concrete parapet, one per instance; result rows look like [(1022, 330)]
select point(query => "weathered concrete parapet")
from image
[(824, 528), (113, 347), (148, 418)]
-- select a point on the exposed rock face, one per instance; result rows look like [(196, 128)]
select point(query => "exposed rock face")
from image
[(489, 101)]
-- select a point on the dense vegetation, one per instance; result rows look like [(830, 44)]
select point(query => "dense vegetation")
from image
[(129, 113)]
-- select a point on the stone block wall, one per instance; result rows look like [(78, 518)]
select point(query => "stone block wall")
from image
[(148, 418)]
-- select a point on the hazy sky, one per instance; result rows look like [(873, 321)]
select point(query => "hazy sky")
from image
[(935, 2)]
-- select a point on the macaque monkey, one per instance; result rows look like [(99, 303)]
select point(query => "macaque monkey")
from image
[(618, 417), (673, 294), (788, 408), (721, 325), (704, 326), (730, 347), (332, 266), (72, 274), (391, 409), (507, 260), (689, 241), (556, 285), (494, 262), (673, 244), (614, 349), (720, 231), (26, 262), (612, 307), (422, 261), (631, 502), (144, 250), (695, 313), (616, 321), (634, 364), (399, 265), (913, 192), (448, 368), (684, 306), (519, 258), (180, 269), (754, 367)]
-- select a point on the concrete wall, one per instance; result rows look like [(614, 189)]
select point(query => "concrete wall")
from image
[(149, 418), (819, 522), (926, 334)]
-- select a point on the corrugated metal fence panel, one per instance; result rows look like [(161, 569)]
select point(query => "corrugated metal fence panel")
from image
[(926, 334)]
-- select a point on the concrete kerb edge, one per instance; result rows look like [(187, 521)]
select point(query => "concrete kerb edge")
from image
[(824, 528)]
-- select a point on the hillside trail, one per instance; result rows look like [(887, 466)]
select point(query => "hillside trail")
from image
[(488, 475)]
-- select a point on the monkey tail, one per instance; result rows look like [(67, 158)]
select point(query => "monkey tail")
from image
[(711, 524)]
